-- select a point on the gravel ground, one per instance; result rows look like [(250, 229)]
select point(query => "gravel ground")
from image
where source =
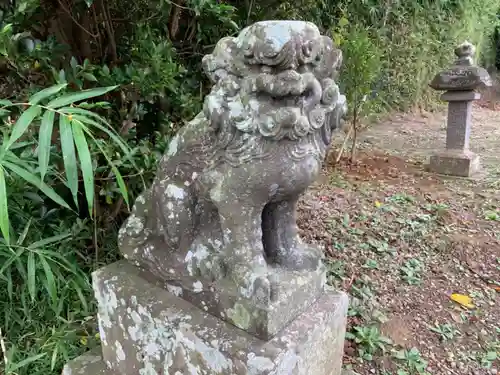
[(401, 241)]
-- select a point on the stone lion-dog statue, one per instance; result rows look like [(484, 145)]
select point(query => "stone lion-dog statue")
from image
[(223, 203)]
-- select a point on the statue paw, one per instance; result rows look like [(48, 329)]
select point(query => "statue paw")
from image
[(211, 268), (261, 290), (254, 283)]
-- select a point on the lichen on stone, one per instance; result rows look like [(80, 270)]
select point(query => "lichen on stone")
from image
[(239, 316)]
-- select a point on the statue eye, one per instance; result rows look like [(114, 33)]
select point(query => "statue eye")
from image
[(248, 51), (307, 49)]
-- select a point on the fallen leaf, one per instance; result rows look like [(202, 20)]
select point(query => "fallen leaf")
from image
[(463, 300), (495, 286), (378, 204)]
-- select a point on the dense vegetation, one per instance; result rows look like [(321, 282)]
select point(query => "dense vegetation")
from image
[(91, 90)]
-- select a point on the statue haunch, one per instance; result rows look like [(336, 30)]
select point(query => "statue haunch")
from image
[(223, 203)]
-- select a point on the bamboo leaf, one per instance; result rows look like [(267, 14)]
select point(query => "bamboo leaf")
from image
[(109, 131), (53, 361), (20, 264), (34, 180), (16, 366), (121, 184), (47, 241), (23, 235), (44, 141), (10, 284), (7, 263), (19, 145), (77, 96), (69, 155), (4, 209), (22, 124), (63, 263), (85, 113), (119, 178), (13, 158), (85, 163), (76, 287), (5, 103), (49, 275), (31, 275), (45, 93)]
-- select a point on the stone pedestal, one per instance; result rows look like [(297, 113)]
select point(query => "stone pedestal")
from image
[(455, 163), (460, 83), (147, 330), (457, 159)]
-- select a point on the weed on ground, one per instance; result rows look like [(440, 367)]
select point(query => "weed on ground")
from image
[(418, 254)]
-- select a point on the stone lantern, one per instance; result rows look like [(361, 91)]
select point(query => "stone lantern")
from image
[(460, 83)]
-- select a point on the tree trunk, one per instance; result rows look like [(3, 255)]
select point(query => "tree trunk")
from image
[(344, 145), (355, 135)]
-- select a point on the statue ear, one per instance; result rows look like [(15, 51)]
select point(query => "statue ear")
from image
[(219, 63), (330, 59), (338, 64)]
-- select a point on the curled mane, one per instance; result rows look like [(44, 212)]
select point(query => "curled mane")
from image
[(264, 93)]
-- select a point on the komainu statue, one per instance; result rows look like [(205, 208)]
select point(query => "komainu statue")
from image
[(222, 208)]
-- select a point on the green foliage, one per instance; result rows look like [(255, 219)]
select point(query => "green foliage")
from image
[(57, 146), (44, 292), (369, 341), (412, 360), (415, 40), (75, 125), (445, 331), (361, 65), (411, 271), (487, 359)]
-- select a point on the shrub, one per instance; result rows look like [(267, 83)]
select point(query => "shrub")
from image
[(361, 65)]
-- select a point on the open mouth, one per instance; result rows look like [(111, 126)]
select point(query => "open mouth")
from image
[(289, 88), (292, 101)]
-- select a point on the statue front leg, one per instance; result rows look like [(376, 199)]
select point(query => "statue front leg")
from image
[(281, 239), (243, 249)]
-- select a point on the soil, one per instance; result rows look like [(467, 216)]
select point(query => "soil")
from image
[(401, 240)]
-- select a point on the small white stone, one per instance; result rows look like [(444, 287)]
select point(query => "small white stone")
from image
[(120, 354), (175, 290), (172, 147), (197, 287), (174, 191)]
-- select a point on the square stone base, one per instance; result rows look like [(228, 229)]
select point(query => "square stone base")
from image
[(296, 291), (147, 330), (180, 273), (455, 163), (90, 363)]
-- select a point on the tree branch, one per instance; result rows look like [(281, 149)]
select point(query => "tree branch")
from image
[(68, 12)]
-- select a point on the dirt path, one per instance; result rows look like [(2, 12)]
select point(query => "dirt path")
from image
[(402, 241)]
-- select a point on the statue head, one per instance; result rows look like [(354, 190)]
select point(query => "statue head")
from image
[(275, 80)]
